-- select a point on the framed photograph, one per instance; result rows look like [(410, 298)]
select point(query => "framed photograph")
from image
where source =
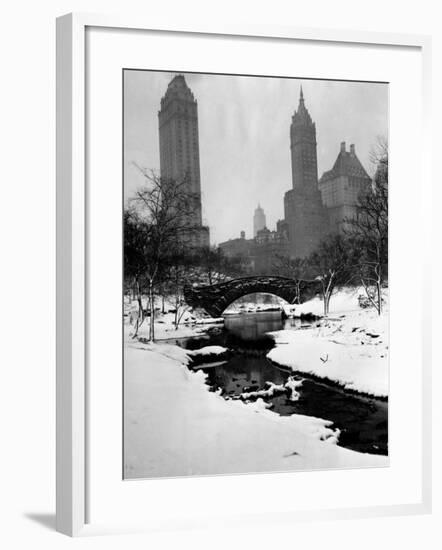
[(236, 211)]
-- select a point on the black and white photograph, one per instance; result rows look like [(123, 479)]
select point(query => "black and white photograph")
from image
[(255, 259), (221, 306)]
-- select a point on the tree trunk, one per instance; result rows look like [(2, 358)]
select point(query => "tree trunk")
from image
[(379, 287), (140, 307), (152, 313), (379, 293), (176, 315), (140, 316), (325, 297), (140, 303)]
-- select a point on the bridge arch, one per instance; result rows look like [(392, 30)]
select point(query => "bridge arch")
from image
[(215, 299)]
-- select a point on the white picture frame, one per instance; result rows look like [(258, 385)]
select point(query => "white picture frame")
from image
[(72, 293)]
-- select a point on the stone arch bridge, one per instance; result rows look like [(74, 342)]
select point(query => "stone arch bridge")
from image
[(215, 299)]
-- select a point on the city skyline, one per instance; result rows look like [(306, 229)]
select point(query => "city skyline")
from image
[(244, 137)]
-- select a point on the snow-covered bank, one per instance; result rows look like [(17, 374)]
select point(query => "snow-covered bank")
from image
[(344, 300), (191, 324), (349, 348), (252, 308), (174, 426)]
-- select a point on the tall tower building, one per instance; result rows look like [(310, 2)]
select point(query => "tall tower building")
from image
[(305, 215), (259, 220), (179, 149), (303, 147)]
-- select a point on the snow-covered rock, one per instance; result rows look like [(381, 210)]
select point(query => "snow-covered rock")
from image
[(209, 350), (272, 389)]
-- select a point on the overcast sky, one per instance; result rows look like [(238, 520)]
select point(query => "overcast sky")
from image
[(244, 129)]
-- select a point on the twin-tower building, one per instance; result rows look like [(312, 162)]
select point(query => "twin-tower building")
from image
[(313, 208)]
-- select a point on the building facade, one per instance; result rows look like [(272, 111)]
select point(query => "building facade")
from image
[(259, 255), (341, 188), (179, 151), (259, 220), (268, 247), (236, 247), (305, 215), (240, 248)]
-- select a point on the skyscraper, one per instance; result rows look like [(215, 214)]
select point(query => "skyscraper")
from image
[(303, 148), (305, 215), (259, 220), (179, 149)]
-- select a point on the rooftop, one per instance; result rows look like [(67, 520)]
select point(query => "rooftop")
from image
[(178, 89), (302, 117), (346, 164)]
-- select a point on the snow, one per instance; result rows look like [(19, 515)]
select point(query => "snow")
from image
[(192, 322), (169, 351), (273, 389), (343, 300), (209, 350), (349, 348), (174, 426), (250, 307), (210, 321), (255, 302), (165, 328), (269, 392), (293, 386)]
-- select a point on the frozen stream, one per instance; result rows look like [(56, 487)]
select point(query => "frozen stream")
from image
[(363, 421)]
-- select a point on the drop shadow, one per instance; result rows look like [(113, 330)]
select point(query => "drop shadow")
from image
[(46, 520)]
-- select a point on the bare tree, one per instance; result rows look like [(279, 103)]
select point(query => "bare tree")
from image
[(332, 261), (379, 151), (136, 238), (180, 270), (293, 268), (210, 261), (213, 266), (370, 229), (163, 210)]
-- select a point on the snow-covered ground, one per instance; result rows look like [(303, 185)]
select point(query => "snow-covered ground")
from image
[(250, 307), (174, 426), (350, 347), (191, 322)]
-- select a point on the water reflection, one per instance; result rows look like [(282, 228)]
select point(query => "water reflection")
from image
[(362, 420), (253, 326), (243, 373)]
